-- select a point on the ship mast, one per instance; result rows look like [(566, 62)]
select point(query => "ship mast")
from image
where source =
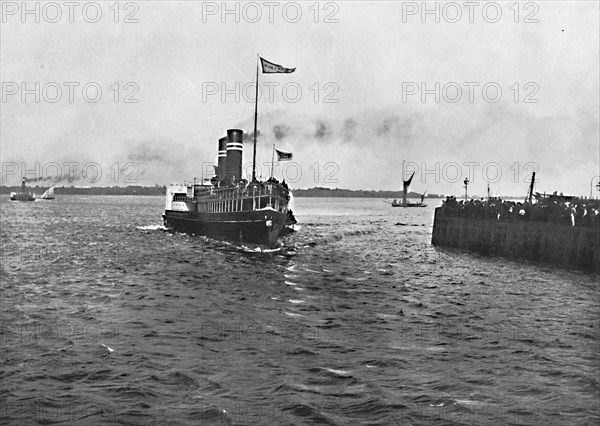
[(255, 122), (530, 192), (272, 160), (403, 184)]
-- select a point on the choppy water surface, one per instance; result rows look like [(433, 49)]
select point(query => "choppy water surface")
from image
[(109, 319)]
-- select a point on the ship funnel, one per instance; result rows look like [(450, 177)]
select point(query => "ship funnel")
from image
[(220, 169), (235, 147), (222, 159)]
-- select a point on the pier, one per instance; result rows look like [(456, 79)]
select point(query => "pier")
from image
[(566, 237)]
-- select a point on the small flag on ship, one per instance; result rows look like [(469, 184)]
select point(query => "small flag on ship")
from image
[(271, 68), (283, 156)]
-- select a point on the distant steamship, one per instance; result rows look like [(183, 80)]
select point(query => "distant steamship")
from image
[(230, 207), (23, 195)]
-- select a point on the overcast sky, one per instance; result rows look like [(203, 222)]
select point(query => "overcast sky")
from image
[(361, 68)]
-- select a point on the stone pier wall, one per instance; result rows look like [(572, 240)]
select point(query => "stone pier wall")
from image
[(568, 247)]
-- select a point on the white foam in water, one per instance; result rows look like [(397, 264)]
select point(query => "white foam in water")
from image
[(468, 402), (338, 372), (295, 301), (386, 316), (259, 249), (290, 314), (435, 348), (290, 276), (152, 228), (290, 283)]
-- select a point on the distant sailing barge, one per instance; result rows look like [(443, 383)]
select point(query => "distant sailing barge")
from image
[(48, 194), (406, 185), (230, 207)]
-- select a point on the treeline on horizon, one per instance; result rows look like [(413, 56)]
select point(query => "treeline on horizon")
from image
[(94, 190), (161, 190), (359, 193)]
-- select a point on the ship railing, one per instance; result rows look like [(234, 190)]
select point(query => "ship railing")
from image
[(249, 190), (250, 197)]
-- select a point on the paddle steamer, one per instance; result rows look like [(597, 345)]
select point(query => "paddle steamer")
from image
[(230, 207), (23, 195)]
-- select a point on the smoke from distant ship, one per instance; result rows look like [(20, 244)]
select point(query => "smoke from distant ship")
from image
[(368, 146)]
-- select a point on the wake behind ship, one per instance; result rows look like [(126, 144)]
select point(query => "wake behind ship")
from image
[(229, 207)]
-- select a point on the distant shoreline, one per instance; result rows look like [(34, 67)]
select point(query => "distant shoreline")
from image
[(158, 190)]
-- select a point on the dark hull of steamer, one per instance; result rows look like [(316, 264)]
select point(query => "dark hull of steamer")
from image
[(22, 196), (229, 207), (262, 227)]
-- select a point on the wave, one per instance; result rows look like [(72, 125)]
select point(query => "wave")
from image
[(152, 228)]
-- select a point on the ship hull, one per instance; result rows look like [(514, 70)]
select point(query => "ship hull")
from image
[(408, 205), (22, 197), (262, 227)]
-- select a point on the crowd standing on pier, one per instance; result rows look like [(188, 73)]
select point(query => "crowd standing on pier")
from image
[(574, 212)]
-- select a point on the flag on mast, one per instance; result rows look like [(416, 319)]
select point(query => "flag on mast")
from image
[(271, 68), (283, 156)]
